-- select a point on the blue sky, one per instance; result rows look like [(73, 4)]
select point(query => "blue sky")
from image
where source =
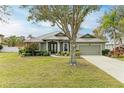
[(18, 24)]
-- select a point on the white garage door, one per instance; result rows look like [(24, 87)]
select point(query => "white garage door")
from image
[(90, 49)]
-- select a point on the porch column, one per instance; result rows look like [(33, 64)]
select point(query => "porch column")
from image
[(39, 46), (67, 46), (46, 46), (58, 46), (63, 46)]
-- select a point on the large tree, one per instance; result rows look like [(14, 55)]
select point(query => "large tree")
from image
[(4, 13), (67, 18), (112, 23)]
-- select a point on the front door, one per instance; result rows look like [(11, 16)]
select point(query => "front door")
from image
[(52, 47)]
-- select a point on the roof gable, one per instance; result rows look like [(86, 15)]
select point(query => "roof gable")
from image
[(60, 34), (87, 36)]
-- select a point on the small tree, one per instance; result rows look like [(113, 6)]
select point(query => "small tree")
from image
[(67, 18)]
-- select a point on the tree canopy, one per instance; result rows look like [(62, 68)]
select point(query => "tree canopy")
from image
[(4, 13), (67, 18)]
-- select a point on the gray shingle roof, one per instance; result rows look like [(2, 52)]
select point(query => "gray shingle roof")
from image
[(52, 36), (91, 40)]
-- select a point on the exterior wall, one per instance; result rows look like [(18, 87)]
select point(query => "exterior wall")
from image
[(10, 49), (42, 46), (103, 46)]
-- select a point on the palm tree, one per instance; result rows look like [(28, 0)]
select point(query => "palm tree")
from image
[(99, 33), (109, 24)]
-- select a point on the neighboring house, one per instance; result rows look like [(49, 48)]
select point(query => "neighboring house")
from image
[(57, 41), (110, 45), (1, 38)]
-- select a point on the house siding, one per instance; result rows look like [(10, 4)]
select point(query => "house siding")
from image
[(42, 46)]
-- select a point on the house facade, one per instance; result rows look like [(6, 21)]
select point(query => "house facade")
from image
[(110, 45), (57, 41)]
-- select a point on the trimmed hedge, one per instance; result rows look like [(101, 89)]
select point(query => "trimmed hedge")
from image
[(105, 52), (30, 52)]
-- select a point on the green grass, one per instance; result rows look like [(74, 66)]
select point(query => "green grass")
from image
[(122, 58), (16, 71)]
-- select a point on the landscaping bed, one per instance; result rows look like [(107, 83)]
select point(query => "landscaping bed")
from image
[(67, 53)]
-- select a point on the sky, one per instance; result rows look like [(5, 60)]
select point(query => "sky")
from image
[(19, 26)]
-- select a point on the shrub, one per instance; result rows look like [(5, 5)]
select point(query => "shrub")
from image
[(26, 54), (1, 47), (117, 52), (78, 53), (32, 52), (22, 50), (105, 52), (67, 53), (63, 53), (45, 53)]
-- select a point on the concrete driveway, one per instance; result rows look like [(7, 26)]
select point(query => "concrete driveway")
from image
[(112, 66)]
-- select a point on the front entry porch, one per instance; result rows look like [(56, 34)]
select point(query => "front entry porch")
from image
[(57, 46), (52, 47)]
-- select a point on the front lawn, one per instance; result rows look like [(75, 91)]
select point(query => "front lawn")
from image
[(122, 58), (16, 71)]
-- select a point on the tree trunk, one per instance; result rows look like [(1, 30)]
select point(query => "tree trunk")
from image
[(73, 52)]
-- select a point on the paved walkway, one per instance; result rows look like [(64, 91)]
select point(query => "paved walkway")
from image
[(112, 66), (60, 56)]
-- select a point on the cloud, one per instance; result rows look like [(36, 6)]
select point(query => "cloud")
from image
[(20, 28), (18, 25)]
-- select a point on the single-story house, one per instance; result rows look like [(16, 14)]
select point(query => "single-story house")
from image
[(57, 41)]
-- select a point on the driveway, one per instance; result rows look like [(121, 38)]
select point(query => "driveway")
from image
[(112, 66)]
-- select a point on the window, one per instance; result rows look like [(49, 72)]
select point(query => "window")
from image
[(65, 47)]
